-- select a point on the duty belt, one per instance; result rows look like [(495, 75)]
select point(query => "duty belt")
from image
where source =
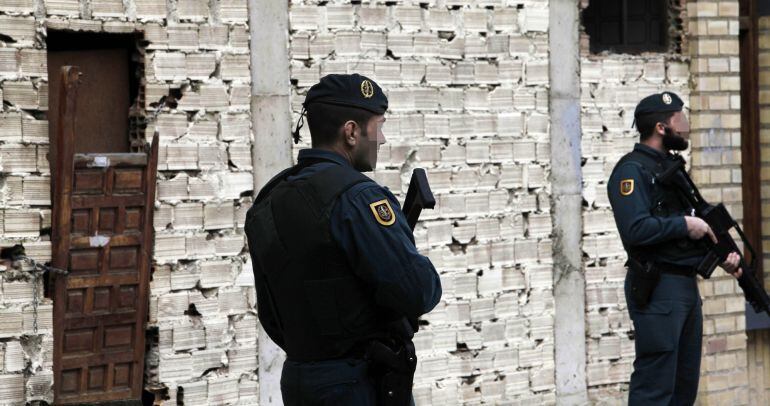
[(673, 269)]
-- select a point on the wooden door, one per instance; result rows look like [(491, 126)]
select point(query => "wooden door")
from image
[(102, 234)]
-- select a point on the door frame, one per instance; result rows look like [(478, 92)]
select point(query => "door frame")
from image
[(750, 142)]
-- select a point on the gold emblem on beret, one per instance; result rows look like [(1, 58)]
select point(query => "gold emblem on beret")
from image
[(367, 89), (383, 213), (667, 98), (626, 187)]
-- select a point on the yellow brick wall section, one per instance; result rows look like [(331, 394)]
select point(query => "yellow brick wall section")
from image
[(716, 167)]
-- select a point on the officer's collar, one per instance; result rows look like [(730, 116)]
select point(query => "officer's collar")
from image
[(321, 154), (650, 151)]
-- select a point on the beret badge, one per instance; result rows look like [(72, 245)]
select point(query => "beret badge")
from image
[(367, 90), (667, 98)]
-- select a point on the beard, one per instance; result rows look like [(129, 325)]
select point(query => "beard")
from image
[(674, 142)]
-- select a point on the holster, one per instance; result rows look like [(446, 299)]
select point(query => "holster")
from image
[(644, 278), (392, 365)]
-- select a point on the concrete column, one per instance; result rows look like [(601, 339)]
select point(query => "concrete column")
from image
[(566, 204), (271, 125)]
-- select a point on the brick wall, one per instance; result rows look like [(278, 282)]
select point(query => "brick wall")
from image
[(468, 86), (202, 329), (26, 336), (716, 159), (611, 87), (468, 95)]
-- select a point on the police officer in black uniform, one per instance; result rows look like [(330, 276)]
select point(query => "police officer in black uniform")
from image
[(661, 237), (335, 263)]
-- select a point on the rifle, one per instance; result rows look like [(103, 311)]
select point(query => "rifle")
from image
[(418, 197), (721, 222)]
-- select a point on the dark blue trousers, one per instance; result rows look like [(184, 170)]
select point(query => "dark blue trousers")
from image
[(668, 335), (339, 382)]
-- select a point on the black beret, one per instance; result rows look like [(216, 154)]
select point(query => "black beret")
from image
[(659, 103), (348, 90)]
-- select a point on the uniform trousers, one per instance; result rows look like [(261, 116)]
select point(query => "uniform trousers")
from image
[(668, 336), (333, 382)]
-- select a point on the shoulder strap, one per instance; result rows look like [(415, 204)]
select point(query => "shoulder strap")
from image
[(647, 162), (326, 186), (272, 183)]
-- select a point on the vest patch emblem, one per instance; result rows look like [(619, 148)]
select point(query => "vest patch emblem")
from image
[(626, 187), (383, 213)]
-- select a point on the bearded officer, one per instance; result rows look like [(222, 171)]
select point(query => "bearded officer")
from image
[(660, 235), (335, 263)]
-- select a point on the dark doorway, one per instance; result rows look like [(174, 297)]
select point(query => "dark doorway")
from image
[(107, 89)]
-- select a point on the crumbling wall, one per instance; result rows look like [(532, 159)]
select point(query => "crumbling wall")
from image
[(611, 87), (26, 363), (202, 322), (467, 84), (708, 71), (26, 336)]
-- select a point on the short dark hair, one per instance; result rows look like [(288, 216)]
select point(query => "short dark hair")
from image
[(646, 123), (325, 120)]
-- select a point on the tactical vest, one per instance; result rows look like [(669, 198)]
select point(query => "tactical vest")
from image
[(666, 201), (322, 309)]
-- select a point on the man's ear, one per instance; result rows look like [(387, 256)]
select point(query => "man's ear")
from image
[(349, 132), (660, 128)]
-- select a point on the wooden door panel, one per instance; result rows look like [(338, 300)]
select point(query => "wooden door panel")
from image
[(128, 181), (89, 182), (82, 202), (103, 235)]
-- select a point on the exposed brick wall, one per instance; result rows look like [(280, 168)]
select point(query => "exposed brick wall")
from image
[(199, 49), (26, 336), (468, 85), (611, 87), (24, 205), (468, 102), (716, 159)]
